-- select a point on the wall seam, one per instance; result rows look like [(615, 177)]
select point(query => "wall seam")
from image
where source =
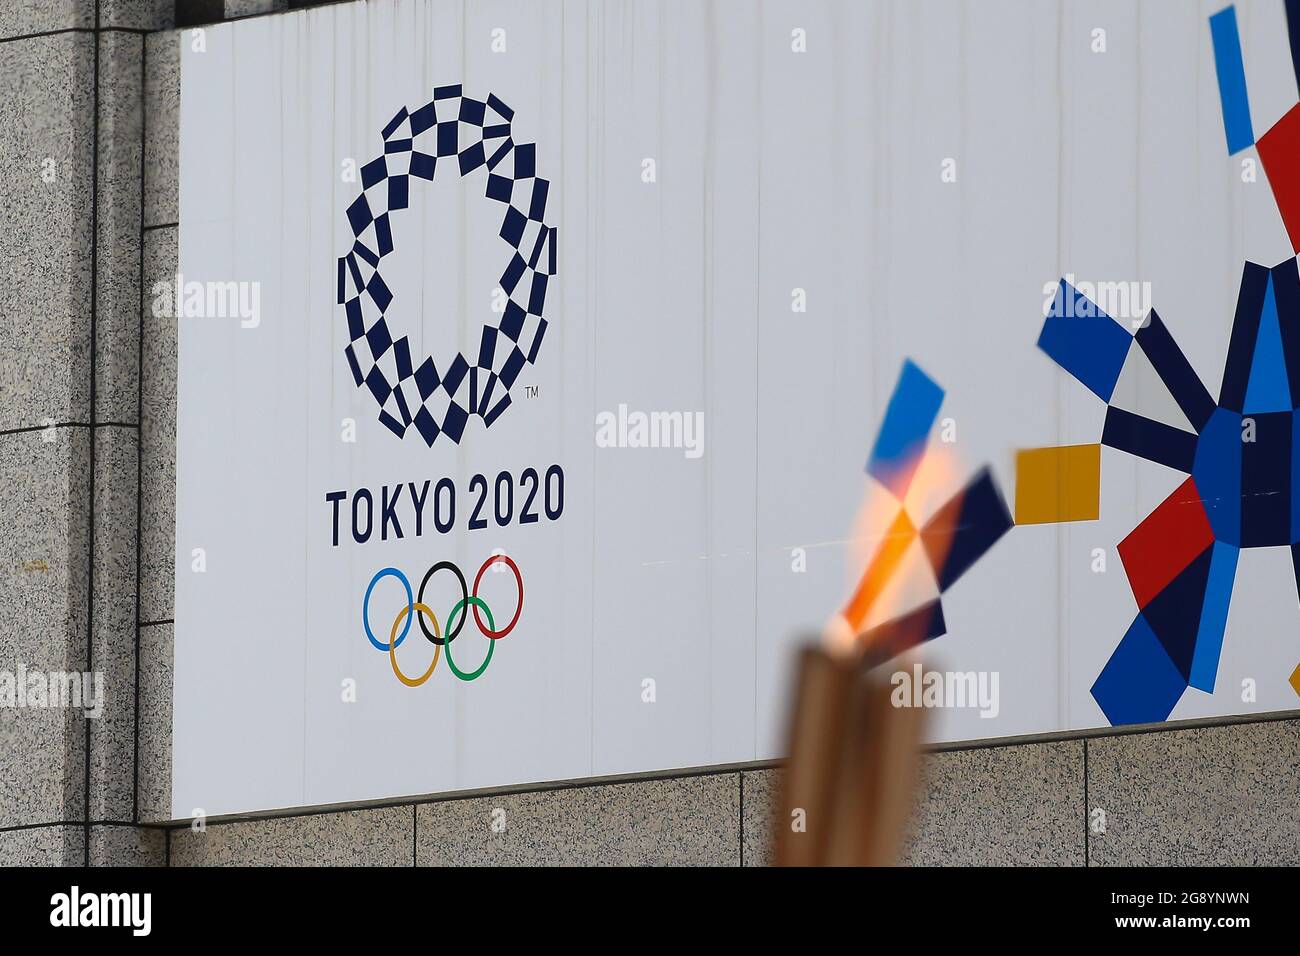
[(1086, 843), (41, 34), (24, 429), (94, 347), (78, 823), (741, 775), (139, 452)]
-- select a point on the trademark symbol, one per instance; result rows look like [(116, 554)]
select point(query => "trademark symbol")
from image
[(530, 391)]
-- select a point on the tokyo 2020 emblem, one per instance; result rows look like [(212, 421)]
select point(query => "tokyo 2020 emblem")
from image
[(452, 132)]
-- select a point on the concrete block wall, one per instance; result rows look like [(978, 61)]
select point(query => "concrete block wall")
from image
[(71, 127), (87, 461)]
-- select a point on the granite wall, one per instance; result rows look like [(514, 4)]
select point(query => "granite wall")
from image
[(89, 130)]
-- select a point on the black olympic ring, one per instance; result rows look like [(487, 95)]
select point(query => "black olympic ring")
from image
[(464, 596)]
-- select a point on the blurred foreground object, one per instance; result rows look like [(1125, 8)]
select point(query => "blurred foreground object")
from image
[(853, 756), (853, 766)]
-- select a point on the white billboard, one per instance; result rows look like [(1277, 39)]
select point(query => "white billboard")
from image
[(531, 354)]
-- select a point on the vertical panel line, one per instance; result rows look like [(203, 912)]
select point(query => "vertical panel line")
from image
[(94, 311)]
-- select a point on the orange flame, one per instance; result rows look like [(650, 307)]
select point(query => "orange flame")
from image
[(883, 541)]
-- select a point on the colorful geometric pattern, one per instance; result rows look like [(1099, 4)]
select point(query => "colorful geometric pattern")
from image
[(1241, 454), (1241, 491), (957, 535), (467, 134)]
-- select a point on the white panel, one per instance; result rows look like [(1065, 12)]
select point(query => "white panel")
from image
[(663, 606)]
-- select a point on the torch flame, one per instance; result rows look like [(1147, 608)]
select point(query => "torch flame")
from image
[(883, 542)]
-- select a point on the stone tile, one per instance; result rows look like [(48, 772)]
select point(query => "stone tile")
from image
[(44, 545), (1214, 796), (20, 17), (42, 762), (158, 437), (155, 734), (676, 822), (127, 846), (46, 134), (758, 808), (1019, 805), (112, 735), (138, 14), (43, 846), (162, 127), (348, 838), (117, 325), (44, 566), (996, 806)]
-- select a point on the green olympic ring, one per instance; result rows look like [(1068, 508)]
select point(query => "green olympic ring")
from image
[(460, 606)]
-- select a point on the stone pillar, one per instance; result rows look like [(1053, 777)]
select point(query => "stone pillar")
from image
[(71, 142)]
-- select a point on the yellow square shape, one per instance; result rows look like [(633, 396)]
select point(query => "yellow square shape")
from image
[(1058, 484)]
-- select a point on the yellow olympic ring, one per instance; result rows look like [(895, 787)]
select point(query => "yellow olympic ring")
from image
[(392, 645)]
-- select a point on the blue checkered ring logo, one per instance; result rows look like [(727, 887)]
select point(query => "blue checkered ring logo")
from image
[(455, 130)]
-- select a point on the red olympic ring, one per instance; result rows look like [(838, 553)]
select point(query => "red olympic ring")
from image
[(519, 580)]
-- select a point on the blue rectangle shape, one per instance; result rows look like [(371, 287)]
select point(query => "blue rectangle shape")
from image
[(1245, 329), (1266, 480), (1295, 486), (395, 122), (1154, 441), (1214, 617), (910, 415), (1232, 80), (976, 523), (1085, 341)]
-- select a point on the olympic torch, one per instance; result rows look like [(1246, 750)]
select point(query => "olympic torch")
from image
[(854, 758)]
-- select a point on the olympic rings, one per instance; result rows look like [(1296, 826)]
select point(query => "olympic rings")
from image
[(417, 609), (460, 606), (490, 630), (464, 593), (392, 647)]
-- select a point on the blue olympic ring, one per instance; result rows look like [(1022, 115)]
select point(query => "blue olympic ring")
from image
[(410, 608)]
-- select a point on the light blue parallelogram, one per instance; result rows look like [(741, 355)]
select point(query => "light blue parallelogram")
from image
[(903, 435), (1214, 617), (1232, 80)]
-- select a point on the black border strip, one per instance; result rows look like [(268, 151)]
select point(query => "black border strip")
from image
[(81, 823), (295, 7), (27, 429), (87, 30), (94, 401)]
